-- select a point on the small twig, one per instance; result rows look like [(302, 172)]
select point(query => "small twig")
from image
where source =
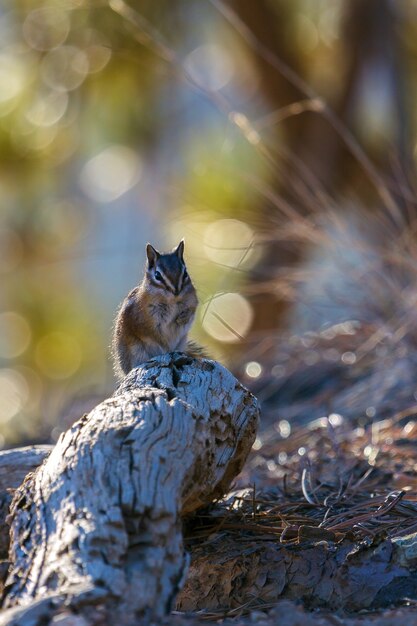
[(369, 516), (306, 485)]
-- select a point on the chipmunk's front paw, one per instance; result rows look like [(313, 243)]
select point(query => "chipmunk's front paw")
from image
[(184, 317)]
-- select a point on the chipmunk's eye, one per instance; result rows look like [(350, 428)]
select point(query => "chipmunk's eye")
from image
[(158, 275)]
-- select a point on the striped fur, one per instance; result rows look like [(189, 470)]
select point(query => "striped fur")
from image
[(167, 271), (156, 316)]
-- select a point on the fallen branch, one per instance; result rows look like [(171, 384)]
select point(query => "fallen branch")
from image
[(97, 528), (14, 466)]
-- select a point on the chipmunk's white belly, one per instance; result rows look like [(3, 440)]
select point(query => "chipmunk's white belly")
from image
[(174, 337), (173, 324)]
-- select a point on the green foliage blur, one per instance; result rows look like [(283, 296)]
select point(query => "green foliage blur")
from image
[(122, 124)]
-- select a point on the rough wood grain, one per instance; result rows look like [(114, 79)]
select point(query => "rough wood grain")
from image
[(15, 464), (232, 571), (98, 524)]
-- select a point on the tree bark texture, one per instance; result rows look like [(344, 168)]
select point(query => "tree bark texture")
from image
[(14, 466), (97, 527), (233, 571)]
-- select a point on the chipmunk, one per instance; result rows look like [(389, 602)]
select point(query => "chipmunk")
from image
[(156, 316)]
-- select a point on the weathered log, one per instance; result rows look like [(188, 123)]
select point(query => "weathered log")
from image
[(14, 466), (16, 463), (97, 527), (231, 570)]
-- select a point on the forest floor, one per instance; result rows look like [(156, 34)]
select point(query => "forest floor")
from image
[(334, 465)]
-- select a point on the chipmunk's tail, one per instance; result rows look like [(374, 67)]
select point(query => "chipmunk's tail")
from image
[(196, 351)]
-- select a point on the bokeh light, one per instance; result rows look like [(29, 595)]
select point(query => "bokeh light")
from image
[(58, 355), (12, 80), (27, 138), (335, 419), (227, 317), (284, 428), (253, 369), (111, 173), (98, 57), (15, 334), (47, 109), (65, 68), (210, 66), (46, 28), (229, 242), (13, 393)]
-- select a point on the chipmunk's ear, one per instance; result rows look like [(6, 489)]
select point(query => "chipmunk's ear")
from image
[(152, 255), (179, 250)]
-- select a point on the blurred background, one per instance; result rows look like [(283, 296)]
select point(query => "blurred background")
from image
[(277, 137)]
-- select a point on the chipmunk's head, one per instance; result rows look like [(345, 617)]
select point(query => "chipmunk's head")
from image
[(167, 271)]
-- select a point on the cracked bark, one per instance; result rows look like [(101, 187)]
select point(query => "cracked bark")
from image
[(96, 529), (14, 466), (231, 572)]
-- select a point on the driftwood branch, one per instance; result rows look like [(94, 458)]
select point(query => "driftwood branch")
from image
[(97, 528)]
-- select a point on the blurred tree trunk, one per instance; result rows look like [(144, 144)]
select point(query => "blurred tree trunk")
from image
[(372, 69)]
